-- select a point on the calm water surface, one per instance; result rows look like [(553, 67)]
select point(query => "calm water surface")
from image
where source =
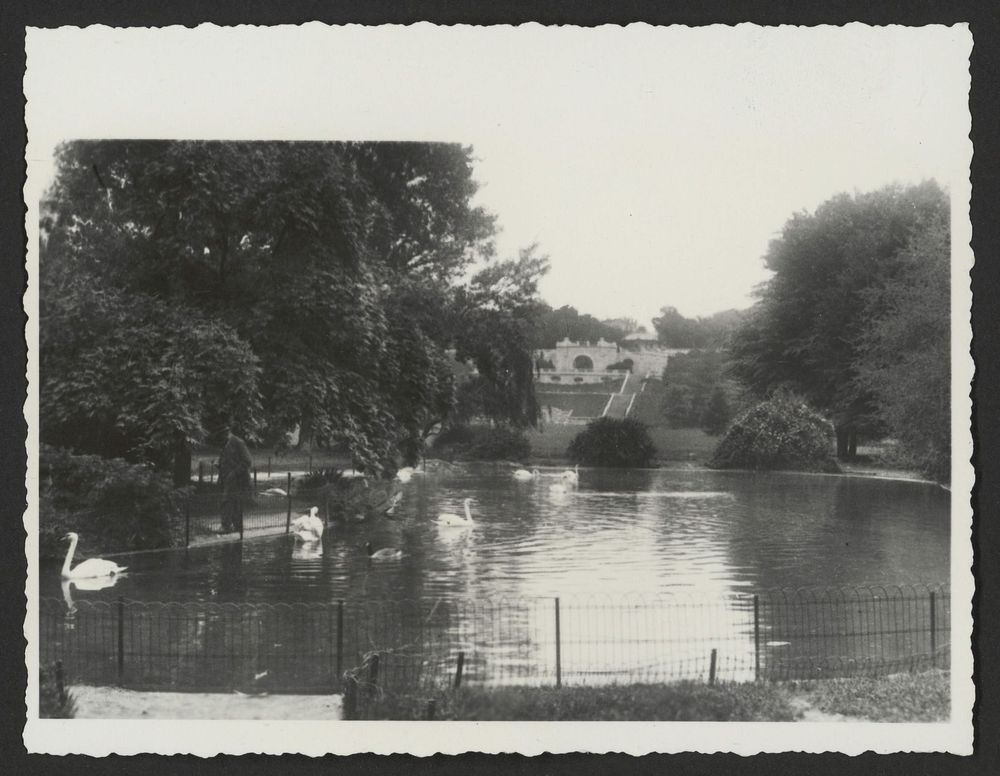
[(649, 531)]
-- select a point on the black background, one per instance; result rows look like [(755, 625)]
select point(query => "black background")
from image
[(984, 20)]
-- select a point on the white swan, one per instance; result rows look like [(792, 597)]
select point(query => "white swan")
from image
[(309, 528), (572, 476), (92, 567), (457, 521), (275, 492), (386, 553), (404, 474), (524, 474)]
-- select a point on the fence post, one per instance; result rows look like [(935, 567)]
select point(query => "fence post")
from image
[(558, 649), (310, 462), (239, 501), (756, 637), (458, 669), (711, 669), (288, 493), (121, 639), (340, 635), (269, 467), (60, 683), (933, 631), (255, 479), (373, 670), (201, 471), (431, 707), (187, 522)]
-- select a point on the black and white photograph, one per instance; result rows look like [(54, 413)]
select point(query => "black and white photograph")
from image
[(512, 375)]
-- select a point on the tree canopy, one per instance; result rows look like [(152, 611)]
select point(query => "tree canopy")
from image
[(807, 329), (274, 285), (555, 325), (676, 331)]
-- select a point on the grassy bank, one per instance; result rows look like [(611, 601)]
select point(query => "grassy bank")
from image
[(683, 702), (924, 697), (902, 698), (672, 444)]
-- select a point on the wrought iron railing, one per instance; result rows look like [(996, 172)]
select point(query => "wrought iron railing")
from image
[(425, 644)]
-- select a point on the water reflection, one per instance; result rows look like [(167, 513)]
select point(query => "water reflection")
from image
[(654, 532)]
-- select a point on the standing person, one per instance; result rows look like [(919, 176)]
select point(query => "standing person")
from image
[(234, 474)]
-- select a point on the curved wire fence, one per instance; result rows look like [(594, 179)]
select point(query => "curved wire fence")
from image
[(425, 644)]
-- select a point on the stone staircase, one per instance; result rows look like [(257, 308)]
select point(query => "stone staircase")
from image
[(620, 402)]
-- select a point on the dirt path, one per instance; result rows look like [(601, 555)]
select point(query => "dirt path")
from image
[(115, 703)]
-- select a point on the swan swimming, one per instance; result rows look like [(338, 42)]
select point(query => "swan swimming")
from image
[(572, 476), (524, 474), (309, 528), (92, 567), (386, 553), (457, 521), (404, 474)]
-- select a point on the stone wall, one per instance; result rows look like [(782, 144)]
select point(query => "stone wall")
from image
[(568, 357)]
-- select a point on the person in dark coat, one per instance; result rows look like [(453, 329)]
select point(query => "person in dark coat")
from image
[(234, 474)]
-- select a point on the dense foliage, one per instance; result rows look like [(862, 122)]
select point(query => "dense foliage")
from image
[(109, 502), (698, 393), (905, 353), (566, 322), (676, 331), (480, 443), (275, 286), (825, 321), (614, 442), (780, 433)]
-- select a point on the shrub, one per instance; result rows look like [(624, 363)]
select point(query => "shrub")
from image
[(780, 433), (613, 442), (499, 443), (114, 504), (717, 414), (54, 702)]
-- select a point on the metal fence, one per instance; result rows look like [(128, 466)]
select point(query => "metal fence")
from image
[(426, 644), (269, 511)]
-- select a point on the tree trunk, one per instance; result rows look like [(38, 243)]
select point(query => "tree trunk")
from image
[(182, 460), (852, 445), (843, 435)]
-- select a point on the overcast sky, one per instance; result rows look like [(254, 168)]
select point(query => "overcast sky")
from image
[(652, 165)]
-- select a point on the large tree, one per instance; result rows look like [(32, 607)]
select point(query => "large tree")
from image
[(906, 351), (306, 258), (805, 331)]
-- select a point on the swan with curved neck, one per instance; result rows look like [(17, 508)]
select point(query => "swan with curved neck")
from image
[(572, 476), (309, 528), (524, 474), (450, 519), (90, 568)]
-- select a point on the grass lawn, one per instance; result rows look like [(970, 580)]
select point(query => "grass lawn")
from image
[(922, 697), (685, 702)]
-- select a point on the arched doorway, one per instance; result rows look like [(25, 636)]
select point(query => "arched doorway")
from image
[(583, 363)]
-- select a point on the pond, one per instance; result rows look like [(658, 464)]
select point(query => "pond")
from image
[(619, 538)]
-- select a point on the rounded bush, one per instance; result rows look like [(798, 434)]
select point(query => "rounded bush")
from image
[(780, 433), (480, 443), (614, 442), (111, 503)]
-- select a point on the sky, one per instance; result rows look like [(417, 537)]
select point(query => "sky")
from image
[(652, 165)]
